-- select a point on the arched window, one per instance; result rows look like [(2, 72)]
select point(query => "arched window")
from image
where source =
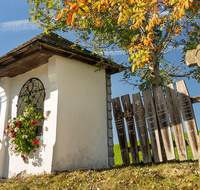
[(36, 93)]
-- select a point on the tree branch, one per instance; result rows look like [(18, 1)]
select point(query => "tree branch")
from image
[(184, 75)]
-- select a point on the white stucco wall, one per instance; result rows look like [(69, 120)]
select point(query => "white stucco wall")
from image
[(5, 104), (14, 165), (81, 139), (75, 133)]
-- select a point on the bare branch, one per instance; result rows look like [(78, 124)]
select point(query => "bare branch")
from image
[(184, 75)]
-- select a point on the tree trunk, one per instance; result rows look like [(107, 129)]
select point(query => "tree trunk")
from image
[(154, 72), (156, 81)]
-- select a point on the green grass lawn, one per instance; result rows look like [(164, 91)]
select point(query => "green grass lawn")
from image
[(173, 175), (118, 158), (169, 175)]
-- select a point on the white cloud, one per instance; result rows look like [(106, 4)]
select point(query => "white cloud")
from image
[(169, 48), (114, 52), (119, 52), (19, 25), (164, 13)]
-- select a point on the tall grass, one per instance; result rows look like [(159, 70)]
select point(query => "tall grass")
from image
[(118, 157)]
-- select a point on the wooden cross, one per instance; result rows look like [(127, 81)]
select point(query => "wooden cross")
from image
[(192, 57), (137, 103)]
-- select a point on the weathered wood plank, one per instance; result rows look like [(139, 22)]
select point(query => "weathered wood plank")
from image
[(174, 111), (141, 127), (163, 119), (139, 148), (195, 99), (128, 113), (119, 121), (197, 57), (152, 125), (111, 161), (199, 149), (190, 58), (188, 116), (187, 142)]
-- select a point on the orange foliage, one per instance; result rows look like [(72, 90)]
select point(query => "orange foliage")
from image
[(59, 17), (132, 11)]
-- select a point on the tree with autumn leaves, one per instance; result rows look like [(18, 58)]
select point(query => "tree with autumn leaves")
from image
[(145, 29)]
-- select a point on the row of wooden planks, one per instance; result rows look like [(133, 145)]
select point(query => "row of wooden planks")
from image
[(157, 116)]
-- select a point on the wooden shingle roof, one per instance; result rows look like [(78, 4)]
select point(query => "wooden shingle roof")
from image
[(39, 49)]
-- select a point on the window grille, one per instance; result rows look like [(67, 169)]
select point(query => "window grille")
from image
[(36, 93)]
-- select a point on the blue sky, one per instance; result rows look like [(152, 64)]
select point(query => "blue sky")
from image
[(15, 29)]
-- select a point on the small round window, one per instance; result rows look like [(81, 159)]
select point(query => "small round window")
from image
[(36, 93)]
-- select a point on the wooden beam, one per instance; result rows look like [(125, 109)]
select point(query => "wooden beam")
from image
[(28, 62), (17, 53), (195, 99)]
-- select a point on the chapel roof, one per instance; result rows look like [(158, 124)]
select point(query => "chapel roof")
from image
[(39, 49)]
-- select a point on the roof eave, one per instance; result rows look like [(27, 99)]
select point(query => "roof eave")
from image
[(38, 50)]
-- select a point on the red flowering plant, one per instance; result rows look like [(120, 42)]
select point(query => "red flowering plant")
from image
[(21, 132)]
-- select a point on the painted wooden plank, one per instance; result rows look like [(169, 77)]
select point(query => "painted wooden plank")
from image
[(119, 121), (152, 125), (128, 113), (163, 120), (175, 115), (139, 114), (188, 116)]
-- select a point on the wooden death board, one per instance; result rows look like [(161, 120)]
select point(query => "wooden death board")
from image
[(139, 115), (128, 114), (174, 111), (152, 125), (163, 119), (188, 116), (119, 121)]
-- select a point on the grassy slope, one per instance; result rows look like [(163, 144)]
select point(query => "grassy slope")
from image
[(169, 175), (162, 176)]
